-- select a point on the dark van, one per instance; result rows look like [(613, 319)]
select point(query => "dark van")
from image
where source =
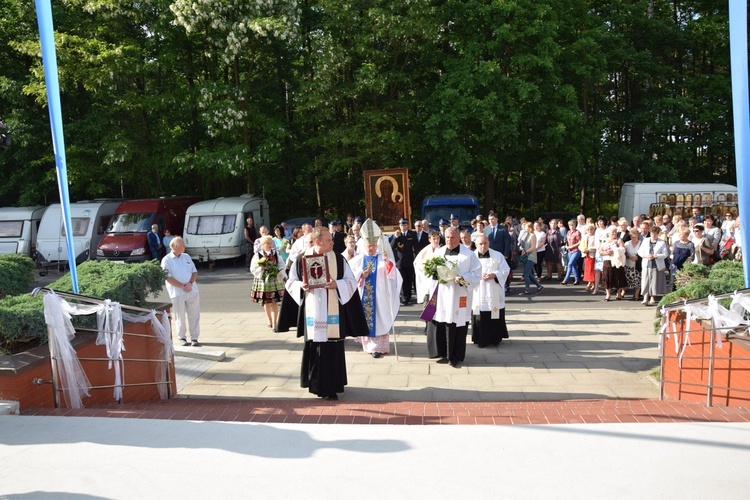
[(125, 239)]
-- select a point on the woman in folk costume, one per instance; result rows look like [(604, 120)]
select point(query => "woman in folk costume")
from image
[(379, 282), (328, 314), (488, 321), (268, 267), (425, 287)]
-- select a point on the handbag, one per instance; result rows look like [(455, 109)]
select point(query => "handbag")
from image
[(513, 264), (522, 260), (599, 263), (584, 246)]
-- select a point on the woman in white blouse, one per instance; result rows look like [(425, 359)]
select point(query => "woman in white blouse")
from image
[(653, 253)]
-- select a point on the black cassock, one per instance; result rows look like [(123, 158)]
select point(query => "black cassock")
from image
[(323, 369), (288, 313), (486, 331)]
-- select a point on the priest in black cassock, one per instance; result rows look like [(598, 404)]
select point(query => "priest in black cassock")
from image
[(488, 308), (326, 316)]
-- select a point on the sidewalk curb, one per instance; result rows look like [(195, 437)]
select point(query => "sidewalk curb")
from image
[(199, 353)]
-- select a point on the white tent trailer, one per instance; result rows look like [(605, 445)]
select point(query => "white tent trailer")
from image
[(676, 198), (18, 229), (90, 220), (215, 229)]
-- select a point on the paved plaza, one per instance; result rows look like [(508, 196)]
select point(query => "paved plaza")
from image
[(564, 344)]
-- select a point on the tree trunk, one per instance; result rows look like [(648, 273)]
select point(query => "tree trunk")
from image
[(489, 192)]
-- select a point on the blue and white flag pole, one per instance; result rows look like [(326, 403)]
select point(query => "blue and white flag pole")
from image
[(49, 60)]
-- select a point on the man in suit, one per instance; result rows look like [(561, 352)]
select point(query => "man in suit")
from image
[(498, 236), (339, 245), (499, 239), (403, 245), (154, 242), (422, 236)]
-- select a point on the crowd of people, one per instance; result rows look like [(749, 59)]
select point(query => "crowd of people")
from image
[(369, 275)]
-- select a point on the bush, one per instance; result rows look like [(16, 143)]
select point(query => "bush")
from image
[(16, 274), (700, 282), (124, 283), (21, 323), (22, 317), (690, 272)]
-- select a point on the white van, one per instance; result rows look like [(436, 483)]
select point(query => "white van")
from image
[(18, 229), (676, 198), (215, 229), (90, 220)]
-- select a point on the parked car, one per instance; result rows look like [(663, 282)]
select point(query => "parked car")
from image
[(126, 238), (298, 221)]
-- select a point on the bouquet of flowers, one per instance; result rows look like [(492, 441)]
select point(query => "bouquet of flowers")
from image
[(442, 270), (270, 268)]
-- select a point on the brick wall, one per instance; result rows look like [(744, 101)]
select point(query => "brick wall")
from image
[(17, 372), (731, 369)]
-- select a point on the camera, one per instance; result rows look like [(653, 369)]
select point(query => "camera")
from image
[(5, 139)]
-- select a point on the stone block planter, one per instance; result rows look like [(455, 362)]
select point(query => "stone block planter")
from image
[(18, 372), (688, 379)]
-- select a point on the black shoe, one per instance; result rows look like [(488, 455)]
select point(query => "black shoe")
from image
[(332, 398), (184, 342), (376, 355), (455, 364), (195, 343), (442, 361)]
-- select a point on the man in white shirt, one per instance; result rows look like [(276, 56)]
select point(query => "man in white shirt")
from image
[(182, 290)]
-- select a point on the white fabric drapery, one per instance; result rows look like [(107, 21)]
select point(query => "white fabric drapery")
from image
[(723, 319), (73, 381)]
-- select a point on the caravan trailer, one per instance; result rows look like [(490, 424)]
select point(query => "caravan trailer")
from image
[(215, 229), (676, 199), (89, 219), (18, 229)]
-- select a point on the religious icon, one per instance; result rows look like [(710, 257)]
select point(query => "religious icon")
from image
[(387, 196), (315, 272)]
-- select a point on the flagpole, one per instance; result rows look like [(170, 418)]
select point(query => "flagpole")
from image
[(49, 62), (741, 106)]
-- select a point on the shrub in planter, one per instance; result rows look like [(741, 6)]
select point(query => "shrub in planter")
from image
[(22, 317), (124, 283), (16, 274), (696, 281), (690, 272), (21, 323)]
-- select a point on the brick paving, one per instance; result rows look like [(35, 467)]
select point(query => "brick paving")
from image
[(413, 413)]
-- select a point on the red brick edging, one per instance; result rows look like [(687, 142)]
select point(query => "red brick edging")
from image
[(413, 413)]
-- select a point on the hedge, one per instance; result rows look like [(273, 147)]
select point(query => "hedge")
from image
[(22, 317), (696, 281), (16, 274)]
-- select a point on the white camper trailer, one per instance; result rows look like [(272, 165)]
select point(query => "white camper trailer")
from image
[(18, 229), (215, 229), (90, 220), (676, 198)]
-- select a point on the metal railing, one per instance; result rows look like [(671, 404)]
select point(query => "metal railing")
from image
[(53, 357), (728, 332)]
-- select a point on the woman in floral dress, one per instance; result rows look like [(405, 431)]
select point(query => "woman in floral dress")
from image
[(268, 286)]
